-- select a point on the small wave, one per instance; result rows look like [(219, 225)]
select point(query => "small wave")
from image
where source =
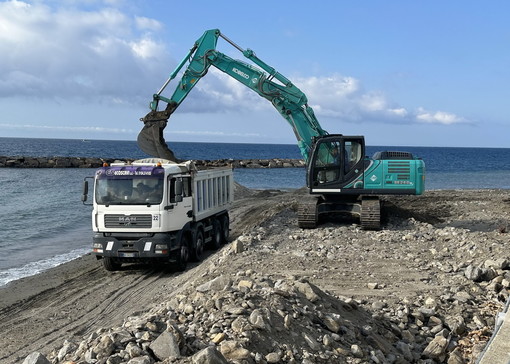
[(34, 268)]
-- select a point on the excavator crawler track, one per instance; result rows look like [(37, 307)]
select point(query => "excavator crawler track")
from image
[(308, 216), (370, 218)]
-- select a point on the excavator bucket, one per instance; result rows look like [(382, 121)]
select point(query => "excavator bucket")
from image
[(151, 139)]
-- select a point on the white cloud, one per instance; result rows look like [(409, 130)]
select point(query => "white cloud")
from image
[(215, 133), (335, 96), (109, 56), (400, 111), (345, 98), (126, 131), (438, 117), (70, 53), (145, 48), (219, 93), (147, 23), (94, 129)]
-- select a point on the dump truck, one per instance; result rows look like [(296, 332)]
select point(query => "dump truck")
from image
[(157, 211)]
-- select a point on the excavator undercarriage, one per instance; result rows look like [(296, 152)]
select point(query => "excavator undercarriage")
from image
[(366, 209)]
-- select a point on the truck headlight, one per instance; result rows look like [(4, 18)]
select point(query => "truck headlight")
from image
[(97, 248)]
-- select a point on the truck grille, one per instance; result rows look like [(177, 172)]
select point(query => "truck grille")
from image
[(401, 169), (128, 221)]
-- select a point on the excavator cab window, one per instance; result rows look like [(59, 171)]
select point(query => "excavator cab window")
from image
[(328, 162), (336, 160), (353, 154)]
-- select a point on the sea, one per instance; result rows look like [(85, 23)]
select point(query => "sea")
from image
[(44, 222)]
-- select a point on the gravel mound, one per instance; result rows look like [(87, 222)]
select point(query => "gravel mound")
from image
[(424, 289)]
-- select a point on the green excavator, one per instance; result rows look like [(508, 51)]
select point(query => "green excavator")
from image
[(340, 178)]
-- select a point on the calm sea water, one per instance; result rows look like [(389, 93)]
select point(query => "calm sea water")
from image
[(45, 224)]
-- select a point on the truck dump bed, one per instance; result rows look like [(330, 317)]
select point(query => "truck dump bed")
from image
[(213, 191)]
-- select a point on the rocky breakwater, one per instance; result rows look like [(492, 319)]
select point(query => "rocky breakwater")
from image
[(52, 162), (92, 162), (257, 163)]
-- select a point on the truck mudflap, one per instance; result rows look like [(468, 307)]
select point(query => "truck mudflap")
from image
[(160, 246)]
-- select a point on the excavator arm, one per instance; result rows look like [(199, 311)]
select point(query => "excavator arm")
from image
[(289, 100)]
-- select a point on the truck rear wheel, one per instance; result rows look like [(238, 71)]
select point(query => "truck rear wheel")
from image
[(198, 246), (225, 228), (110, 265), (216, 235), (183, 256)]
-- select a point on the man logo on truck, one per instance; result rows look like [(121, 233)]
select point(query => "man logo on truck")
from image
[(126, 220)]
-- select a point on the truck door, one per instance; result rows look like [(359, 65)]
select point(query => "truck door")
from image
[(180, 201)]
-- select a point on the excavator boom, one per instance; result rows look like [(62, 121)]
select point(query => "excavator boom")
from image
[(288, 99)]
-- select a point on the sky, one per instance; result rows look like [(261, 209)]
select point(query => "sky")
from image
[(400, 72)]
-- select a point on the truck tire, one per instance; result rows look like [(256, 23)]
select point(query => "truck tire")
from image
[(216, 235), (225, 228), (198, 246), (110, 265), (183, 256)]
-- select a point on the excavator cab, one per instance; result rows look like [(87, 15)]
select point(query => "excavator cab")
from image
[(336, 162)]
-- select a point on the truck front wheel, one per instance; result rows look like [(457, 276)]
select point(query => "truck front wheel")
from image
[(110, 265), (183, 256), (198, 246)]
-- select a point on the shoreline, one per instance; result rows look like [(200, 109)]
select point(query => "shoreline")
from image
[(24, 288), (35, 267)]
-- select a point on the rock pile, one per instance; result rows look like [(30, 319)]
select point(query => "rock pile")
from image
[(247, 318), (414, 292)]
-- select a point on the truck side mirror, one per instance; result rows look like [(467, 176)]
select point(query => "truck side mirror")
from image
[(85, 191), (178, 190), (85, 195)]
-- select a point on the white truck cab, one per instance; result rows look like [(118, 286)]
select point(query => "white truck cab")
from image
[(155, 210)]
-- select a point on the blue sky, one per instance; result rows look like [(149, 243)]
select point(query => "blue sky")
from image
[(402, 73)]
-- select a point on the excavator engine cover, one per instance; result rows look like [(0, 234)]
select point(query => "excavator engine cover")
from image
[(151, 139)]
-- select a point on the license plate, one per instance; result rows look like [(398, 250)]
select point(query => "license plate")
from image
[(127, 255)]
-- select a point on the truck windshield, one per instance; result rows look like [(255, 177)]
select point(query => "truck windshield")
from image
[(129, 190)]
